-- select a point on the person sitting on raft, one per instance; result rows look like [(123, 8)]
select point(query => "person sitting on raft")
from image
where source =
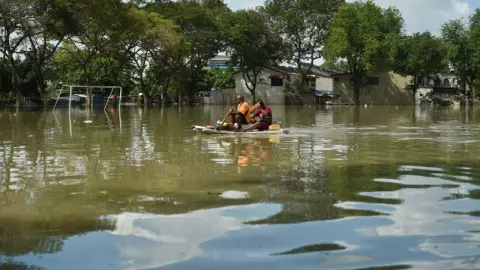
[(241, 116), (265, 115)]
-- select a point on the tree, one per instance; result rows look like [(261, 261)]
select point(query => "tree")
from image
[(419, 56), (463, 43), (456, 36), (303, 24), (13, 14), (217, 79), (98, 23), (367, 37), (198, 21), (338, 65), (101, 69), (158, 38), (53, 20), (252, 44), (475, 43)]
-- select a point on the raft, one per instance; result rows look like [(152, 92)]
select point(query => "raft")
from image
[(212, 130)]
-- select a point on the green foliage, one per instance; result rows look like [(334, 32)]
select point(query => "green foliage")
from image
[(366, 36), (420, 55), (224, 79), (338, 64), (217, 79), (303, 24), (252, 44), (463, 46), (198, 22), (100, 71), (161, 48)]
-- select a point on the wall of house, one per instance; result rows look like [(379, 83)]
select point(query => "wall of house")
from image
[(324, 83), (269, 94), (391, 90), (225, 96)]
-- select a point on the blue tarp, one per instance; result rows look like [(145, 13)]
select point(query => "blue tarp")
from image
[(323, 92)]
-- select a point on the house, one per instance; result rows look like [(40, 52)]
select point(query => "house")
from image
[(440, 86), (271, 84), (389, 88), (383, 88), (220, 61), (324, 84), (274, 81)]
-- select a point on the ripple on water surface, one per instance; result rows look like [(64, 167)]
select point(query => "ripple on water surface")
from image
[(325, 197)]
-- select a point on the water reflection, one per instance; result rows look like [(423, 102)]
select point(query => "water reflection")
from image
[(347, 188)]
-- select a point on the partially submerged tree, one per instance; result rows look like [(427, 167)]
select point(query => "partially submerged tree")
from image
[(98, 23), (303, 25), (419, 56), (475, 41), (157, 40), (367, 37), (54, 20), (13, 15), (252, 44), (198, 21), (463, 43)]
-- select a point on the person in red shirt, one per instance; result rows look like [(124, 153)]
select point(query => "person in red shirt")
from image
[(264, 113)]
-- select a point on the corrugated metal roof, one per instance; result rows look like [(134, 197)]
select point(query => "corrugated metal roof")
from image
[(220, 58)]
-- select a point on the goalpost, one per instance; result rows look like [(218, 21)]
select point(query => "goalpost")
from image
[(90, 86)]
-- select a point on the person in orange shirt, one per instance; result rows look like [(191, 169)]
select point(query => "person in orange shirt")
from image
[(242, 115)]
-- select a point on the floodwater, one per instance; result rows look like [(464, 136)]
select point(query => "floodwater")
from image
[(365, 188)]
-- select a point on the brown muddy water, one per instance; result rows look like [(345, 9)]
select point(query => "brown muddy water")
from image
[(138, 189)]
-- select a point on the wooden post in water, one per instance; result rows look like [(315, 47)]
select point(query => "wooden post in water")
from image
[(70, 111), (70, 100), (120, 98)]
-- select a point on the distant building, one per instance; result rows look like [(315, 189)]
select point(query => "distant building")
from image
[(441, 86), (273, 81), (219, 61), (382, 88)]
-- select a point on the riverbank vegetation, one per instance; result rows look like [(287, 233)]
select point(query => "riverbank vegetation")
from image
[(161, 48)]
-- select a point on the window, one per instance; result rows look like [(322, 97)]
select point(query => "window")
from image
[(276, 80), (372, 80), (446, 82)]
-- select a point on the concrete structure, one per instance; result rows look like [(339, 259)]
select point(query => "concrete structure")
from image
[(225, 96), (336, 87), (384, 88), (270, 88), (441, 89)]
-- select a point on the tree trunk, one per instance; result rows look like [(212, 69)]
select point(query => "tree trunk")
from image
[(356, 115), (180, 94), (41, 90), (18, 97), (164, 93), (253, 96), (357, 87), (356, 90), (15, 83), (43, 96), (146, 99), (88, 101)]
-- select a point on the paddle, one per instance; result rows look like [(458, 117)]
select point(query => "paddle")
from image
[(221, 125)]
